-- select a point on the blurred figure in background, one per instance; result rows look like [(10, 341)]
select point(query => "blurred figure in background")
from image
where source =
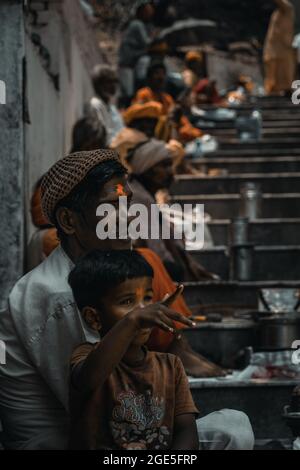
[(279, 57), (151, 167), (44, 240), (193, 71), (105, 82), (205, 92), (181, 128), (88, 134), (134, 46), (141, 121)]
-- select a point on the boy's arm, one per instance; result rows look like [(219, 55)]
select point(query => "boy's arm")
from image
[(100, 363), (185, 433)]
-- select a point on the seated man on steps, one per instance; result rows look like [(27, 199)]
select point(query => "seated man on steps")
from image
[(42, 325)]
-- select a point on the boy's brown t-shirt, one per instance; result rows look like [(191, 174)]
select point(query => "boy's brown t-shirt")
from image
[(135, 408)]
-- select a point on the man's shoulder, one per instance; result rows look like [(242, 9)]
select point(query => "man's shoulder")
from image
[(97, 103), (49, 276)]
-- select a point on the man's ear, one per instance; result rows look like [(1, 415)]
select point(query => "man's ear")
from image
[(91, 317), (66, 220)]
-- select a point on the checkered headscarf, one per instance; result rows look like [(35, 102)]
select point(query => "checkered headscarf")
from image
[(67, 173)]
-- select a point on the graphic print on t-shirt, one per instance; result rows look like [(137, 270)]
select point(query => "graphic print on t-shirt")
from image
[(136, 421)]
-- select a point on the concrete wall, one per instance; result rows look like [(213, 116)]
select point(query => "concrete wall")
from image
[(53, 112), (225, 69), (28, 149), (11, 146)]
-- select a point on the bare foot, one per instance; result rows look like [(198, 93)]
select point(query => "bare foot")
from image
[(196, 366)]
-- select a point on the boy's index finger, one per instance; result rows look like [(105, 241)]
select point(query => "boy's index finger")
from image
[(168, 300)]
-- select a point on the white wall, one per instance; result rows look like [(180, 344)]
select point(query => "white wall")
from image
[(11, 147), (52, 113)]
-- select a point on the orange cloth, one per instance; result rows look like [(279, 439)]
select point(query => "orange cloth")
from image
[(186, 131), (162, 284), (48, 235), (150, 110), (144, 95), (193, 56), (37, 215), (279, 56), (50, 241)]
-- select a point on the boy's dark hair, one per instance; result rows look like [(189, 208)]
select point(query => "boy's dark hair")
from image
[(99, 271), (86, 192)]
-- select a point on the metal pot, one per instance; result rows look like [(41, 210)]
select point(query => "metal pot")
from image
[(222, 342), (275, 331), (279, 331)]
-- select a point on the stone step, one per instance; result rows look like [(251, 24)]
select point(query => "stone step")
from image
[(253, 165), (275, 151), (269, 262), (231, 293), (262, 401), (265, 144), (271, 231), (280, 116), (230, 184), (271, 133), (287, 107), (227, 206), (269, 122)]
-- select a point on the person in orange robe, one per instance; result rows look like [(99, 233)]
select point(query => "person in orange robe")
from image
[(279, 56), (155, 92)]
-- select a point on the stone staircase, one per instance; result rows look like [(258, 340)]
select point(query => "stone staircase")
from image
[(273, 163)]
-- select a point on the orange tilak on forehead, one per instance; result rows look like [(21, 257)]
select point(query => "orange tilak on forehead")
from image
[(139, 292), (120, 190)]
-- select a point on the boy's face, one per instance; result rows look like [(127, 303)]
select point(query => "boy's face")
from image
[(119, 301)]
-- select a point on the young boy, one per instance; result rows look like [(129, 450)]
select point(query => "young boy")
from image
[(123, 396)]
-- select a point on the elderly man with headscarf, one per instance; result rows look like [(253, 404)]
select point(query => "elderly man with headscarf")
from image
[(151, 167), (42, 325), (101, 106), (143, 122)]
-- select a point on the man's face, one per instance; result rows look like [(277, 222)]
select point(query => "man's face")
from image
[(86, 228), (162, 174), (147, 13), (146, 125), (122, 299), (108, 89), (158, 79)]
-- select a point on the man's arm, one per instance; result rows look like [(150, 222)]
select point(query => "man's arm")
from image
[(185, 433)]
